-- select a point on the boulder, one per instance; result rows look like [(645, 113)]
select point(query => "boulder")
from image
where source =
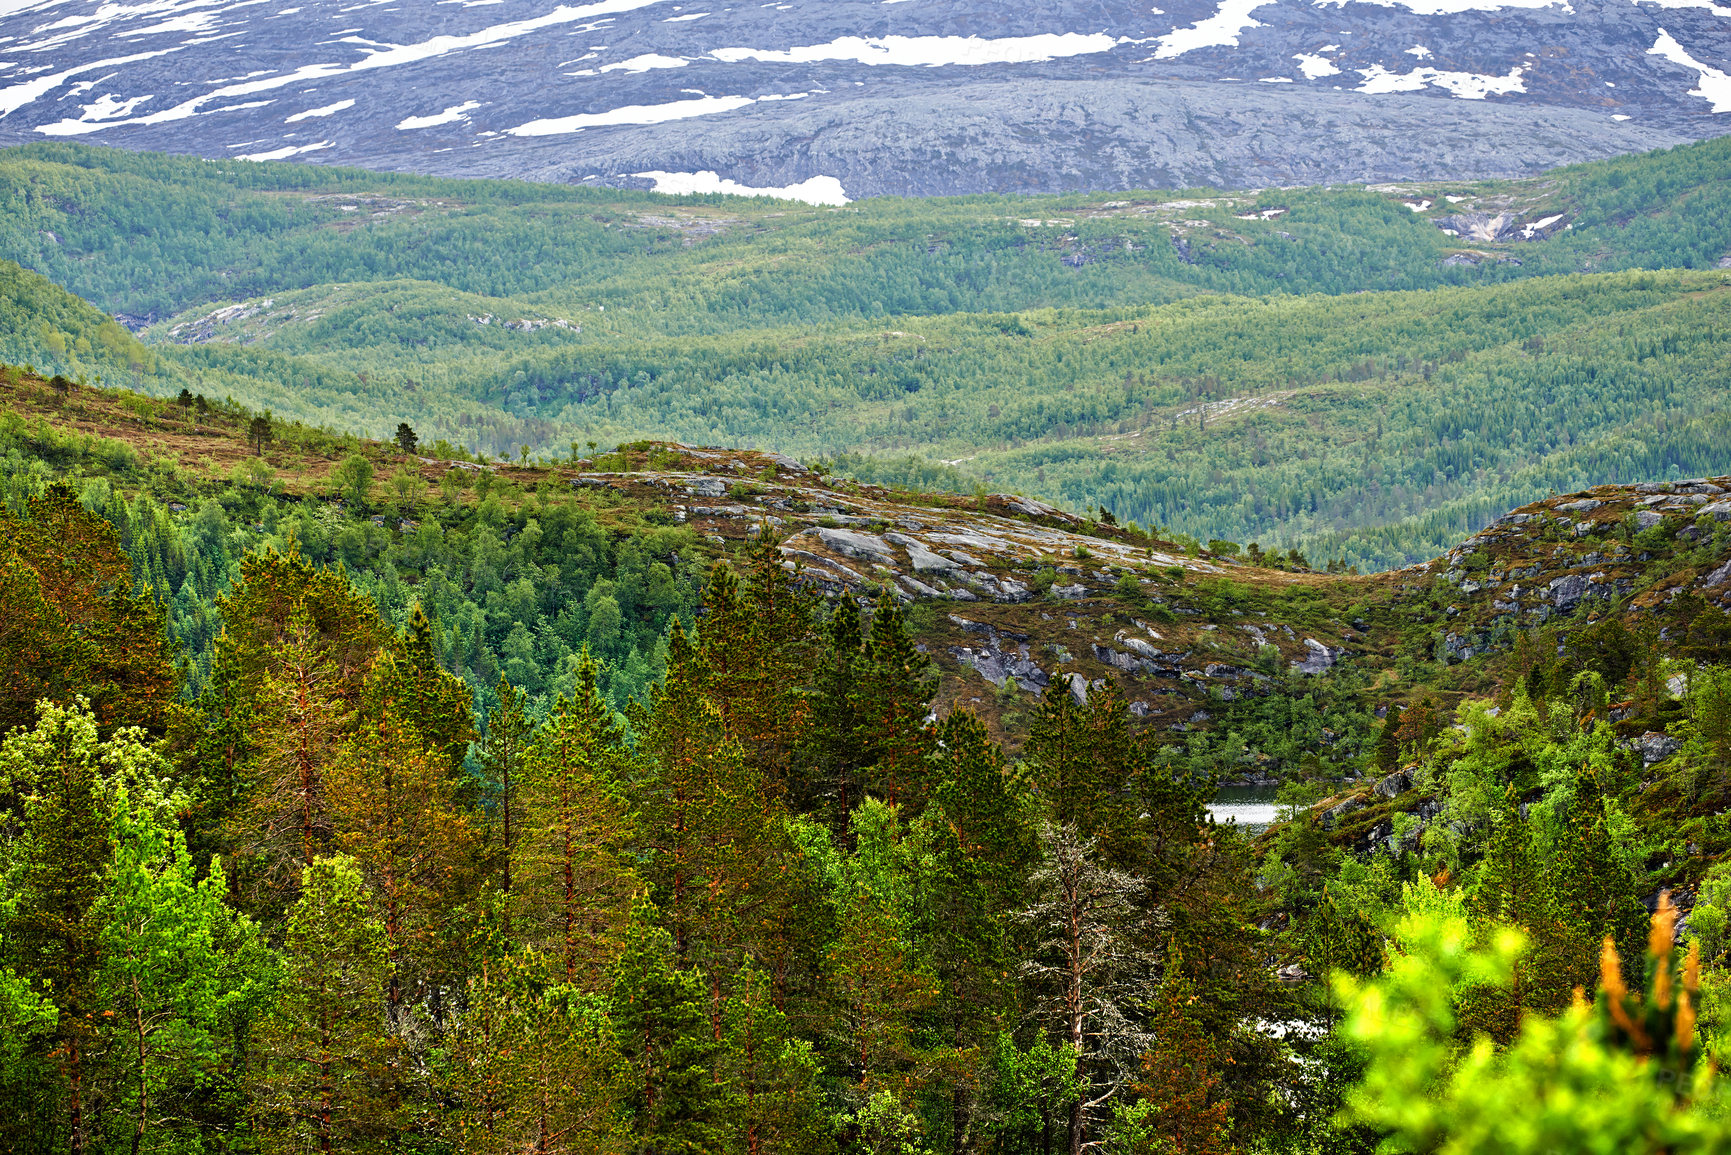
[(923, 559), (1568, 590), (1654, 746), (1079, 689), (1333, 815), (1317, 659), (1718, 511), (706, 487), (863, 546), (1393, 785)]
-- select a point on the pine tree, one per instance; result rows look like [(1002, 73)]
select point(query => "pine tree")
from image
[(322, 1083), (1088, 973), (70, 621), (1058, 756), (393, 808), (706, 819), (755, 645), (572, 886), (770, 1075), (409, 682), (301, 722), (976, 847)]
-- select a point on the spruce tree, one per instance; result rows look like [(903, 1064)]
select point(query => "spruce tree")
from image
[(667, 1039), (504, 751), (832, 751), (891, 700)]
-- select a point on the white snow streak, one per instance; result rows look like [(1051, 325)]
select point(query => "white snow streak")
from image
[(1715, 85), (819, 190), (931, 51), (18, 95), (1316, 66), (287, 151), (390, 57), (631, 114), (645, 62), (327, 110), (451, 115), (1716, 9)]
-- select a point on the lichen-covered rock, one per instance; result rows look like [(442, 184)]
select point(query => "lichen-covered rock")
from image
[(1317, 659)]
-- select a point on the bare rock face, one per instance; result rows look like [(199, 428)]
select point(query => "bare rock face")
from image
[(848, 98), (1317, 659)]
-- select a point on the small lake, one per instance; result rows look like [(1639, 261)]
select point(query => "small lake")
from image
[(1252, 807)]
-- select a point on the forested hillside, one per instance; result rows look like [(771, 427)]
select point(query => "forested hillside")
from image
[(363, 796), (1364, 374)]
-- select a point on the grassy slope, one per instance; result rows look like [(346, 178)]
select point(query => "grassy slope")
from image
[(1061, 356)]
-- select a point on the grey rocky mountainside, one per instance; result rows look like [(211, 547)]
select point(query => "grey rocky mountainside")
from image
[(866, 98)]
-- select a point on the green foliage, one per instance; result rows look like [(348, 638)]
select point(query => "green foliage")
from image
[(1563, 1083)]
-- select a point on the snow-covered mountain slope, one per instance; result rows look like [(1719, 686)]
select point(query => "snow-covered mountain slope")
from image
[(857, 97)]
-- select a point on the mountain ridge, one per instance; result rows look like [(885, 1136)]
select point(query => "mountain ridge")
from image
[(875, 100)]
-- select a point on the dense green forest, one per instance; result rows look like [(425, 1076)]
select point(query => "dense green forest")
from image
[(1336, 373), (339, 813)]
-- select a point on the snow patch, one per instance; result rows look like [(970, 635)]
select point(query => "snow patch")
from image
[(16, 96), (327, 110), (632, 114), (646, 62), (1220, 30), (1716, 9), (819, 190), (931, 51), (1527, 231), (1315, 66), (1466, 85), (389, 57), (1714, 86), (287, 151), (451, 115)]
